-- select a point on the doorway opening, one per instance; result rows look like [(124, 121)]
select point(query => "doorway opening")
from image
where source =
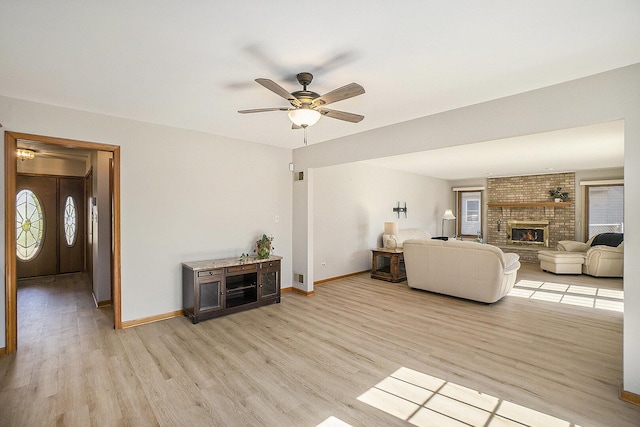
[(11, 142)]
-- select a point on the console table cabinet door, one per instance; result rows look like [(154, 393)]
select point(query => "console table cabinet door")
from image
[(211, 293), (269, 279), (202, 293)]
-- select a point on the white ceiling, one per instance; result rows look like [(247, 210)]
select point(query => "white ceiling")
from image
[(598, 146), (192, 64)]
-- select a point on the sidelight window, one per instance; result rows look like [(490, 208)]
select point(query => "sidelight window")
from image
[(469, 213), (29, 225), (70, 221)]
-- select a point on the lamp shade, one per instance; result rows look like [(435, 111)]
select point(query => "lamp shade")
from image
[(448, 215), (304, 117), (391, 227)]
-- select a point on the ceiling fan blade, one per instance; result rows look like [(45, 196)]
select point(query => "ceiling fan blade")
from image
[(279, 90), (261, 110), (342, 115), (344, 92)]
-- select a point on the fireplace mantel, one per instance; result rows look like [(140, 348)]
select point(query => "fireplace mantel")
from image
[(530, 204)]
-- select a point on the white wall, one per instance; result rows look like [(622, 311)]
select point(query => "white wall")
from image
[(631, 344), (600, 98), (101, 223), (351, 204), (300, 244), (185, 196)]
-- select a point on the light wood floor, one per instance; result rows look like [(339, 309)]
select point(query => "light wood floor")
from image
[(309, 358)]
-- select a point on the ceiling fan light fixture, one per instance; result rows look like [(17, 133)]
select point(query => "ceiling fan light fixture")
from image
[(304, 117)]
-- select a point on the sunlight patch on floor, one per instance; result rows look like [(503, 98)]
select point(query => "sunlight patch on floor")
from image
[(333, 422), (424, 400), (584, 296)]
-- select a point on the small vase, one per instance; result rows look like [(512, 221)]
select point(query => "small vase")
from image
[(557, 200)]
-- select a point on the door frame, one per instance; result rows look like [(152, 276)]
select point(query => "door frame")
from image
[(10, 171)]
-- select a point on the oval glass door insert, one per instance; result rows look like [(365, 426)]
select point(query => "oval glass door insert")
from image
[(29, 225)]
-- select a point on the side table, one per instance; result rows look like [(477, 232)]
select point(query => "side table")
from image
[(388, 264)]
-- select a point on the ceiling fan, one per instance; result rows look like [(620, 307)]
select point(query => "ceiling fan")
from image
[(306, 106)]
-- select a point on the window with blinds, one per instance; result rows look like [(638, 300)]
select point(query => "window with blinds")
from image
[(604, 209)]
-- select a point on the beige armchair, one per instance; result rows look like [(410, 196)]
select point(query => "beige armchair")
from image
[(599, 260)]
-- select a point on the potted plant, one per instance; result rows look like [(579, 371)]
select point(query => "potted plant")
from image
[(558, 195), (263, 246)]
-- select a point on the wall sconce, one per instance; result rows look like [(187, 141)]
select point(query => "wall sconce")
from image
[(448, 215), (398, 209), (24, 154)]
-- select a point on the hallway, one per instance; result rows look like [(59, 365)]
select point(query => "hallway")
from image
[(59, 309), (58, 326)]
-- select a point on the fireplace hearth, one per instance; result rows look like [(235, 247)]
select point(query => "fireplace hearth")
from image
[(528, 233)]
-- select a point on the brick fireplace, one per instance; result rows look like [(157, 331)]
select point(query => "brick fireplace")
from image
[(523, 204)]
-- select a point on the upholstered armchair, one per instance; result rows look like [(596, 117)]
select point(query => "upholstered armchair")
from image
[(603, 254)]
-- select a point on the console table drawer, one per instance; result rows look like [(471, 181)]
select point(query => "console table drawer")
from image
[(209, 273), (242, 269), (270, 264)]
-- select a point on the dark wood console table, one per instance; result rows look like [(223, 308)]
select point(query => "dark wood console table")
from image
[(223, 286), (388, 264)]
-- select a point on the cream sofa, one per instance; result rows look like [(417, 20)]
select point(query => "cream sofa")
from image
[(462, 269), (396, 241)]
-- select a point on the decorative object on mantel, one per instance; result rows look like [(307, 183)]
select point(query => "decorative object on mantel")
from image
[(558, 195), (263, 246), (398, 209)]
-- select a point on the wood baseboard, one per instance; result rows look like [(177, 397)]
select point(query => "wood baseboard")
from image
[(629, 397), (3, 351), (331, 279), (286, 290), (150, 319), (301, 292), (99, 304)]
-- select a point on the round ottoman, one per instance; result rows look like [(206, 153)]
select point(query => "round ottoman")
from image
[(561, 262)]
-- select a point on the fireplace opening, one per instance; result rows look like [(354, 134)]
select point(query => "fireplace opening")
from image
[(528, 234), (533, 233)]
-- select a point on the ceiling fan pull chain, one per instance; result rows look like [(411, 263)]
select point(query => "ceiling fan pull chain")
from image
[(305, 134)]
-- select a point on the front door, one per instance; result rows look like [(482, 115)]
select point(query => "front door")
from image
[(49, 225)]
